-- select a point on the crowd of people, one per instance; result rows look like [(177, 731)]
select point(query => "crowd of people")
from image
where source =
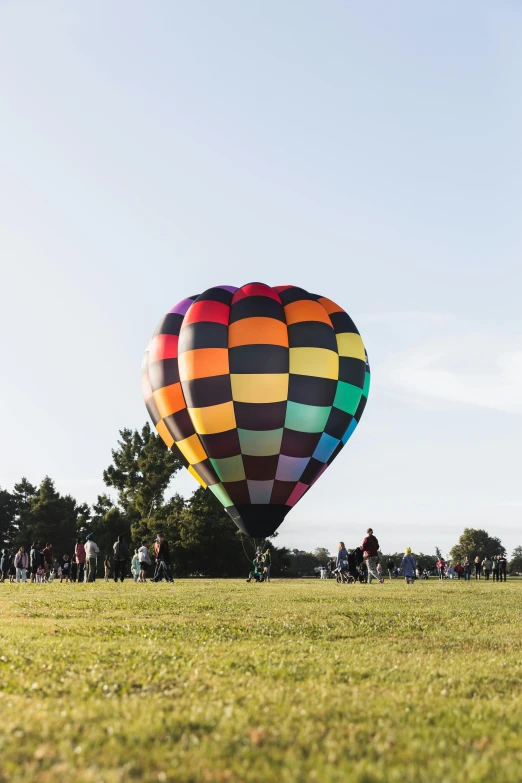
[(41, 564), (362, 564), (494, 568), (365, 563)]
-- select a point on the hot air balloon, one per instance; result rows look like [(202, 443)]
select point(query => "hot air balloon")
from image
[(256, 390)]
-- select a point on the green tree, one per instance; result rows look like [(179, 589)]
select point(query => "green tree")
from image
[(323, 555), (426, 561), (476, 542), (106, 524), (141, 470), (515, 564), (7, 518), (46, 516), (164, 519), (23, 493), (208, 542), (302, 563)]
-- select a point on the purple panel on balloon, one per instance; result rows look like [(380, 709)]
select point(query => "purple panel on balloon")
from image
[(182, 307)]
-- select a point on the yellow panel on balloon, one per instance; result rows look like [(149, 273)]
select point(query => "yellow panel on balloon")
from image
[(198, 478), (318, 362), (351, 344), (260, 388), (192, 449), (213, 419)]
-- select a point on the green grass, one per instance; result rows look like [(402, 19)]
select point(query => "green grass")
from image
[(291, 681)]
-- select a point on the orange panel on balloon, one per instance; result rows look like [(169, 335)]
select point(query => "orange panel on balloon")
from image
[(203, 363), (169, 400), (261, 331), (164, 434), (305, 310), (330, 306)]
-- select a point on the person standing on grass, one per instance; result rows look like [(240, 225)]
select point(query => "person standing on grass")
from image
[(163, 568), (145, 561), (135, 566), (390, 565), (502, 568), (408, 566), (477, 567), (164, 557), (21, 563), (495, 569), (48, 560), (486, 567), (342, 557), (370, 548), (107, 567), (80, 556), (441, 567), (268, 564), (458, 570), (466, 565), (91, 552), (34, 560), (66, 568), (5, 564), (121, 558), (156, 561)]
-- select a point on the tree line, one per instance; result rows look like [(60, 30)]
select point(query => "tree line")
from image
[(204, 540)]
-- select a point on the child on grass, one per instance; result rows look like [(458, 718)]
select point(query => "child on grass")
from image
[(107, 564), (408, 565), (66, 569), (135, 566)]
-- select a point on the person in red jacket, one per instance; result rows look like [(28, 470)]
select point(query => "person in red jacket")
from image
[(370, 548), (459, 570), (80, 556)]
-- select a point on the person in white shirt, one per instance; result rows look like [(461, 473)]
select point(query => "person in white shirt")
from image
[(91, 551), (145, 561)]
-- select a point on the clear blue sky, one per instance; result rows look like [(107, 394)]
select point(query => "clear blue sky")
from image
[(367, 151)]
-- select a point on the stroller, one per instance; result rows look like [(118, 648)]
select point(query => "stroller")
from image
[(342, 575), (357, 565), (346, 572)]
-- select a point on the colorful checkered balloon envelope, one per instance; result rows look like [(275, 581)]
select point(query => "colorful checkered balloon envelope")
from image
[(256, 390)]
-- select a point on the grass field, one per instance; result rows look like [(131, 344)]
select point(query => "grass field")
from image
[(291, 681)]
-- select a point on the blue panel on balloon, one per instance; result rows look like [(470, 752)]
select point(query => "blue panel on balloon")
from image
[(325, 448), (349, 432)]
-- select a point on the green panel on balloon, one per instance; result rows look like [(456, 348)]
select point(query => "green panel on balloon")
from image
[(229, 468), (306, 418), (347, 397), (260, 444), (221, 494), (366, 389)]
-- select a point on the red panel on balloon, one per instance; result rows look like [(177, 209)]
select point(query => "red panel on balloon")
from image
[(217, 312), (163, 346), (255, 289)]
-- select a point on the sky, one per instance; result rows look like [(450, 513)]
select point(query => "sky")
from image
[(369, 152)]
